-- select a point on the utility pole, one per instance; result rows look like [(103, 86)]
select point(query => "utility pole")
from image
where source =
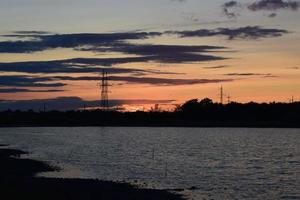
[(291, 100), (228, 99)]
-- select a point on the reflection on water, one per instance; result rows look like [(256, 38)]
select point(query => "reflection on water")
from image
[(219, 163)]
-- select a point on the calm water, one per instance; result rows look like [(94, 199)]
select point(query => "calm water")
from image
[(222, 163)]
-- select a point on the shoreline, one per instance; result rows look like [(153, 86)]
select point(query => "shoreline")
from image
[(18, 180)]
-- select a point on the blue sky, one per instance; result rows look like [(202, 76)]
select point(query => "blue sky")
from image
[(119, 15), (105, 15), (90, 15)]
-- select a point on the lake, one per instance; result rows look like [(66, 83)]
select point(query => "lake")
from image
[(219, 163)]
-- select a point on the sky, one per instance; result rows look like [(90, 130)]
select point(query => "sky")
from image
[(155, 52)]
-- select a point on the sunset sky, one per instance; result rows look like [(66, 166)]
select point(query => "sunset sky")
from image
[(155, 52)]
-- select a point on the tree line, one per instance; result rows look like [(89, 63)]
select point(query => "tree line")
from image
[(193, 113)]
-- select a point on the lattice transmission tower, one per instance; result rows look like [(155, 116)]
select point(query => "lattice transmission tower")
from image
[(104, 91), (221, 95)]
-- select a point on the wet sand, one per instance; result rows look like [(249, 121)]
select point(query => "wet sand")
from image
[(18, 181)]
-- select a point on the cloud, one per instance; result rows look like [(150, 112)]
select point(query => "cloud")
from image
[(32, 32), (273, 5), (21, 90), (112, 42), (167, 53), (119, 43), (190, 17), (146, 53), (70, 103), (293, 68), (229, 9), (42, 42), (147, 80), (248, 74), (272, 15), (216, 67), (77, 65), (172, 53), (168, 82), (230, 4), (248, 33), (28, 81), (163, 53), (18, 82), (21, 46)]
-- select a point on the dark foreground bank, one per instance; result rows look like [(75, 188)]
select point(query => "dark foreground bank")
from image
[(18, 181)]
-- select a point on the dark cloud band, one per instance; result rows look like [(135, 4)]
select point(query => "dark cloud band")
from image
[(28, 81), (71, 103), (148, 80), (119, 42), (248, 33), (230, 8), (58, 81), (273, 5), (22, 90), (77, 65)]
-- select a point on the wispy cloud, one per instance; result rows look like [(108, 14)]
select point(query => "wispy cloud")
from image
[(32, 32), (148, 80), (113, 42), (295, 68), (232, 9), (22, 90), (248, 33), (216, 67), (28, 81), (249, 74), (17, 83), (229, 9), (57, 67), (77, 65), (273, 5), (42, 42), (119, 42), (272, 15)]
